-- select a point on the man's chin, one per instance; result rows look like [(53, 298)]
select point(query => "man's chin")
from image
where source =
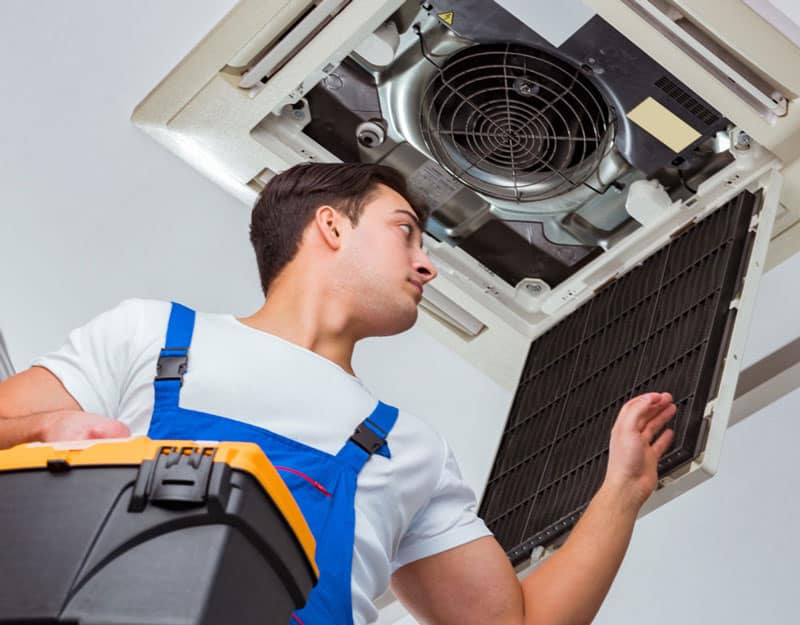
[(401, 322)]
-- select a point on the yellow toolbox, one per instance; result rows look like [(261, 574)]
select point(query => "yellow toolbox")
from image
[(143, 532)]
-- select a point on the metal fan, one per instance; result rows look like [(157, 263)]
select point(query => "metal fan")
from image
[(515, 122)]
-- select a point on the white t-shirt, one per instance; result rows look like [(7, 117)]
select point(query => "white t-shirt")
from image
[(410, 507)]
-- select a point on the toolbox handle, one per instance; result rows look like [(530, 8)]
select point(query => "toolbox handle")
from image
[(176, 477)]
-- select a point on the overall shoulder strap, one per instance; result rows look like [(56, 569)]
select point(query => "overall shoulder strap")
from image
[(370, 437), (173, 359)]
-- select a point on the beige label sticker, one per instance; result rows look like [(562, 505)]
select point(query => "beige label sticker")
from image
[(663, 124)]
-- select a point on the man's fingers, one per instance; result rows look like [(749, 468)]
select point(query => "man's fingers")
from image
[(663, 442), (109, 429), (654, 410), (641, 401), (659, 421), (637, 412)]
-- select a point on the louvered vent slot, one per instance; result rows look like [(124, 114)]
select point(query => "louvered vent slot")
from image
[(688, 102)]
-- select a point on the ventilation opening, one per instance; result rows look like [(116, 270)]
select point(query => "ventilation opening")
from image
[(689, 103), (515, 122)]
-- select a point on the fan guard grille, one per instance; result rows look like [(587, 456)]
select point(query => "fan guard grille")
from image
[(515, 122)]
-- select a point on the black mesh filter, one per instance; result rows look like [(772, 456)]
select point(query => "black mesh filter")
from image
[(664, 326)]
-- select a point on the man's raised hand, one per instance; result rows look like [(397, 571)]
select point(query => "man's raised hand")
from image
[(633, 454)]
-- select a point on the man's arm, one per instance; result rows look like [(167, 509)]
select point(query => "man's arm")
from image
[(35, 406), (32, 391), (475, 583)]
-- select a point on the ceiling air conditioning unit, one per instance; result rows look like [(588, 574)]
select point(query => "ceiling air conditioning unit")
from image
[(603, 199)]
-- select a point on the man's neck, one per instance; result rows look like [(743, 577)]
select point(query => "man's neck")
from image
[(308, 318)]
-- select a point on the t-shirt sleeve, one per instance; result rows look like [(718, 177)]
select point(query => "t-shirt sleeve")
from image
[(448, 520), (93, 363)]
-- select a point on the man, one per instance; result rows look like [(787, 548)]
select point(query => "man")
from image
[(340, 258)]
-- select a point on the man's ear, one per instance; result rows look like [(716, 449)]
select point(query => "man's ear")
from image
[(328, 222)]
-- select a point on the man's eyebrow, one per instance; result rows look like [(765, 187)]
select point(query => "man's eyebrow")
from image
[(410, 214)]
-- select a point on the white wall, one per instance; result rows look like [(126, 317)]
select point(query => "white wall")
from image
[(93, 212)]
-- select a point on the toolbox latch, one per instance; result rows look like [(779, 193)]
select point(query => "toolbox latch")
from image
[(177, 477)]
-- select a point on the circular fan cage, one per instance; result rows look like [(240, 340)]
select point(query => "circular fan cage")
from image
[(515, 122)]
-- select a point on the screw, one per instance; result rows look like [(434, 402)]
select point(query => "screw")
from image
[(370, 134), (525, 87), (743, 141), (333, 82)]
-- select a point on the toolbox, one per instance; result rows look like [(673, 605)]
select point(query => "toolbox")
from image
[(143, 532)]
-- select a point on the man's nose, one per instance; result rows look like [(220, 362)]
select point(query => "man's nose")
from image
[(424, 268)]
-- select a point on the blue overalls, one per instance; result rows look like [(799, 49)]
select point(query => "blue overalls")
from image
[(323, 485)]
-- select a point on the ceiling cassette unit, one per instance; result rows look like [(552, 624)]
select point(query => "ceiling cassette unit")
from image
[(602, 201)]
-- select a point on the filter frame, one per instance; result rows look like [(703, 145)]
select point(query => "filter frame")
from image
[(523, 520)]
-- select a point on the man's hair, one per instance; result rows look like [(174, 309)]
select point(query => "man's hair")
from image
[(288, 204)]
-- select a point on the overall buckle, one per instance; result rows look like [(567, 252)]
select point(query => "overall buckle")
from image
[(171, 367), (365, 438)]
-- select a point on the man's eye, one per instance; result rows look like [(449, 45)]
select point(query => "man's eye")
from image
[(408, 228)]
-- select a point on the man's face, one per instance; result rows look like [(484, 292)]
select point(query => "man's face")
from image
[(386, 263)]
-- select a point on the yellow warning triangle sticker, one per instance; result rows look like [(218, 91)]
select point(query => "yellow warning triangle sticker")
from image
[(447, 17)]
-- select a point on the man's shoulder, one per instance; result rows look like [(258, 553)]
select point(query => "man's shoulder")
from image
[(130, 325), (134, 318), (147, 321), (149, 314), (417, 424), (140, 308), (417, 435)]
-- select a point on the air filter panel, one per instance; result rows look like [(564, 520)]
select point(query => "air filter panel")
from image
[(664, 326)]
